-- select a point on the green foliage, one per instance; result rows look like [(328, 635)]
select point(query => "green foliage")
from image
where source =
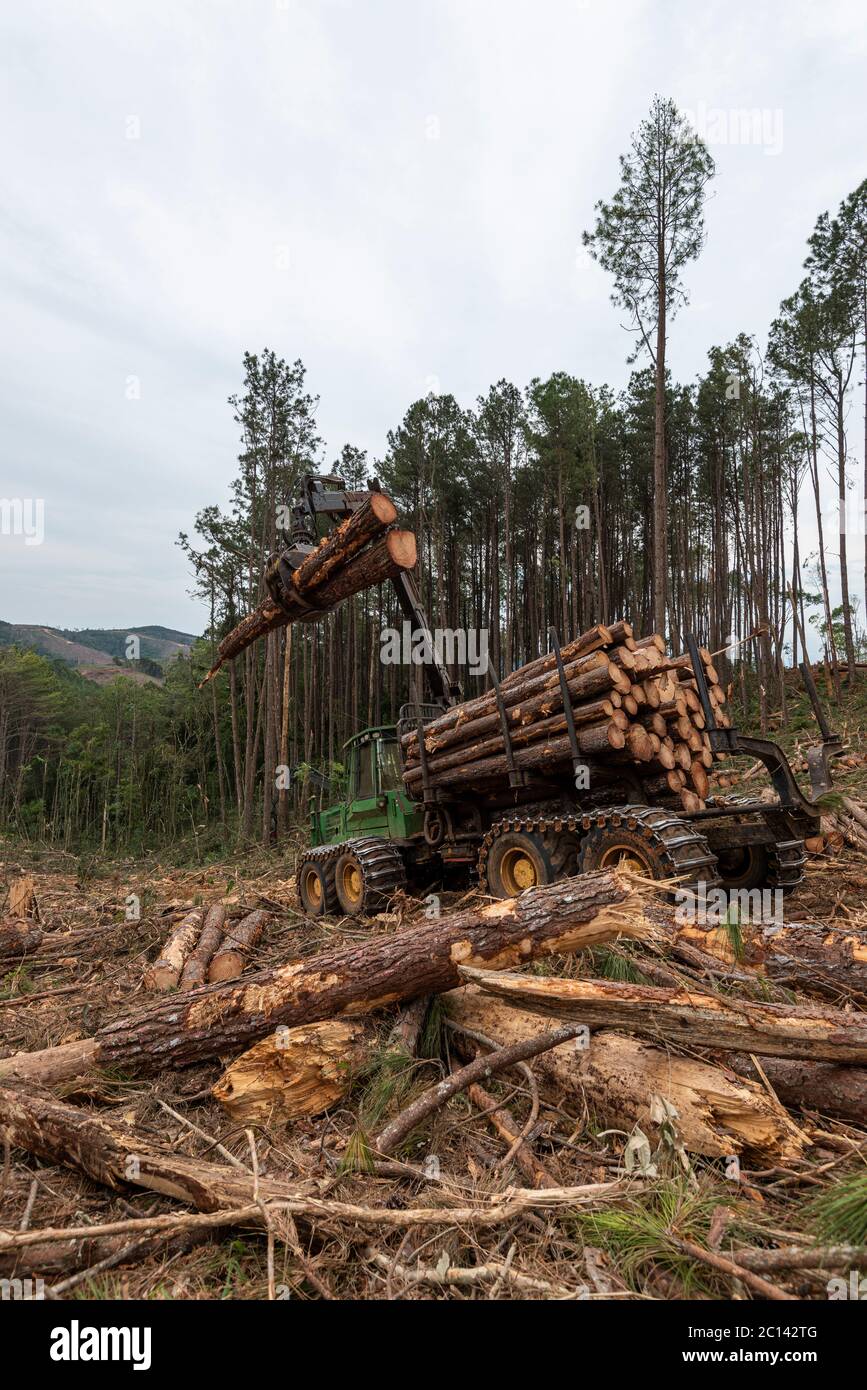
[(641, 1234), (838, 1215)]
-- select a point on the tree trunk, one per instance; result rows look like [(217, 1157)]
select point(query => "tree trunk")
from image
[(617, 1077), (686, 1017), (820, 1086), (196, 967), (232, 956), (167, 969), (18, 938), (660, 497), (830, 961)]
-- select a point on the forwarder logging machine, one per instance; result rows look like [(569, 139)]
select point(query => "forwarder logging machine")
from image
[(380, 839)]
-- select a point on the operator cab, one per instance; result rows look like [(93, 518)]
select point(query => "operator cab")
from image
[(373, 762)]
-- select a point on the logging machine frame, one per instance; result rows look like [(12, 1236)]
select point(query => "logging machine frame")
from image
[(380, 840)]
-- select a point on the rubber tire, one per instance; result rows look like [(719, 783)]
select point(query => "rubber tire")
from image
[(533, 846), (602, 839), (755, 874), (324, 872), (347, 907)]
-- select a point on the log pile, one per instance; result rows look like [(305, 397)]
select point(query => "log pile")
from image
[(635, 709), (202, 948), (363, 551)]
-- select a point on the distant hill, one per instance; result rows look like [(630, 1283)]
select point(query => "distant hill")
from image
[(87, 648)]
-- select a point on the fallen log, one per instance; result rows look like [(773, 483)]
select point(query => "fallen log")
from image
[(815, 959), (166, 970), (234, 952), (686, 1017), (292, 1072), (823, 1087), (114, 1156), (617, 1076), (352, 980), (18, 938), (200, 957)]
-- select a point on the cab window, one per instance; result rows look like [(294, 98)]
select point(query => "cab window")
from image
[(389, 765), (365, 771)]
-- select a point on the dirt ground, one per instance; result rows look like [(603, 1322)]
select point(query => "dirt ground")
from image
[(60, 994)]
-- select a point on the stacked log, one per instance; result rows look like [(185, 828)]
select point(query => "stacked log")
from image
[(362, 552), (203, 948), (636, 712)]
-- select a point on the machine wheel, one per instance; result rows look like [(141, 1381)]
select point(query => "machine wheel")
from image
[(650, 841), (367, 873), (516, 861), (315, 878), (771, 864), (521, 859), (744, 867)]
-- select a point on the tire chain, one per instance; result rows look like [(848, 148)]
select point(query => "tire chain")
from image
[(786, 858), (382, 868), (678, 839)]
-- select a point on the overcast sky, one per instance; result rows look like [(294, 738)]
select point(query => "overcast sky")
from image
[(393, 191)]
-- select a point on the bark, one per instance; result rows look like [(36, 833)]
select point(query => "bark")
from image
[(602, 712), (383, 559), (687, 1017), (829, 961), (820, 1086), (617, 1077), (18, 938), (334, 550), (593, 740), (352, 980), (521, 714), (232, 956), (166, 970), (594, 674), (200, 958)]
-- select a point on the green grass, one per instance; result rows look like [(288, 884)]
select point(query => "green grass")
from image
[(639, 1235), (839, 1214)]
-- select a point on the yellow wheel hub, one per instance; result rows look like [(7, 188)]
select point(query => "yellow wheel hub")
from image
[(314, 887), (353, 883), (518, 871), (624, 857)]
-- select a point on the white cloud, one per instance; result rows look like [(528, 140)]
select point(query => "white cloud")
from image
[(391, 192)]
